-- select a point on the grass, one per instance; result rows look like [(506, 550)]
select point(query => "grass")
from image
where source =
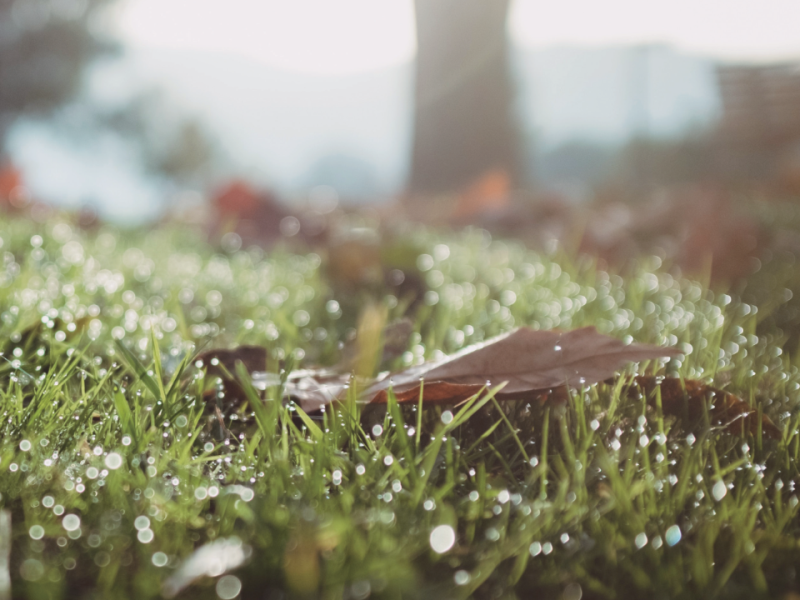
[(113, 468)]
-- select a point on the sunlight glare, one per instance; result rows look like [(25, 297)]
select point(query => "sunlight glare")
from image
[(316, 36), (730, 29)]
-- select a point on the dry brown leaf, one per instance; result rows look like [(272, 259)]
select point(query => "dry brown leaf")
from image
[(220, 360), (310, 388), (534, 365), (686, 399), (528, 361)]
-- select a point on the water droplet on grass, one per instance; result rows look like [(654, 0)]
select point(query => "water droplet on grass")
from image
[(719, 490), (113, 461), (442, 538), (145, 536), (673, 535), (461, 577), (573, 591), (71, 522), (228, 587)]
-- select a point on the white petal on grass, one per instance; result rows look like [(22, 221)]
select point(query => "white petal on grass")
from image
[(211, 560), (442, 538)]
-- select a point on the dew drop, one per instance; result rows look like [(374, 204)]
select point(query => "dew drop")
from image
[(719, 490), (113, 461), (228, 587), (673, 535), (71, 522), (442, 538)]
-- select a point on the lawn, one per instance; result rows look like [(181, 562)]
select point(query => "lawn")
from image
[(122, 456)]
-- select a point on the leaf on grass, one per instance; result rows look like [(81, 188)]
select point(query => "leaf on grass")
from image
[(218, 360), (314, 389), (531, 362), (389, 343), (535, 365), (687, 398)]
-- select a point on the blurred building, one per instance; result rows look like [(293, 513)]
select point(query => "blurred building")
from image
[(759, 132)]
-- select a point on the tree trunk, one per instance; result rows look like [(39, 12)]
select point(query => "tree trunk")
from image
[(464, 124)]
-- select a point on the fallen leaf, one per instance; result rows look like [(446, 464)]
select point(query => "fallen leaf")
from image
[(686, 399), (490, 192), (534, 365), (220, 360), (311, 389), (374, 341), (528, 361)]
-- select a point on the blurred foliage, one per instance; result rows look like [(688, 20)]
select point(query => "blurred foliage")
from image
[(44, 47)]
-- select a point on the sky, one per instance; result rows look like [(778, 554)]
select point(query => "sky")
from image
[(307, 95), (346, 36)]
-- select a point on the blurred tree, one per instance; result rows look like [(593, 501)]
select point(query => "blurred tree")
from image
[(464, 124), (189, 154), (44, 46)]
